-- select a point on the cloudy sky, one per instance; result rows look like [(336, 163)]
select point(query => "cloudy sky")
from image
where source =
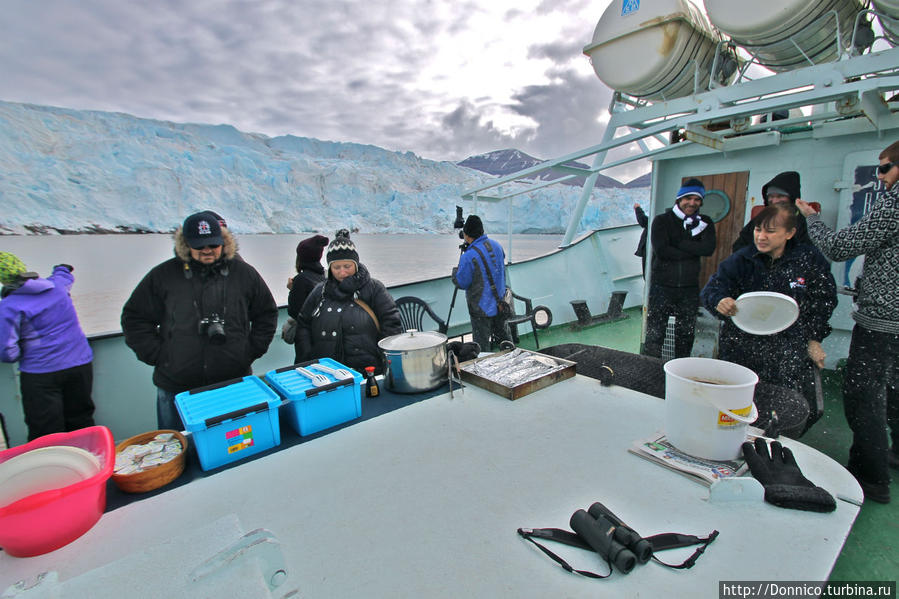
[(443, 78)]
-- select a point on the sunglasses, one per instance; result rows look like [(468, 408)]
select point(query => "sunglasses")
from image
[(885, 168), (209, 247)]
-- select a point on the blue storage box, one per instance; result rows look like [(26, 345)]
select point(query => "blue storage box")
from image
[(231, 420), (310, 409)]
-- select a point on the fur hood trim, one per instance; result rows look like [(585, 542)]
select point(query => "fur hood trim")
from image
[(182, 250)]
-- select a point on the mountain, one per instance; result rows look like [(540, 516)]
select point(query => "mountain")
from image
[(71, 171), (644, 180), (506, 162)]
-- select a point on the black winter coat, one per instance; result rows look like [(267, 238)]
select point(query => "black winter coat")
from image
[(332, 325), (161, 321), (676, 253), (801, 273), (304, 282)]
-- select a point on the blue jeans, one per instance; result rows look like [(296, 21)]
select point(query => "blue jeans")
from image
[(167, 416)]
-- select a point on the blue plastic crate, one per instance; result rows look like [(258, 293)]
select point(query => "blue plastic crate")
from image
[(231, 420), (310, 409)]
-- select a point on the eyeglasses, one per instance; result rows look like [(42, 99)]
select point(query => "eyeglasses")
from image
[(885, 168)]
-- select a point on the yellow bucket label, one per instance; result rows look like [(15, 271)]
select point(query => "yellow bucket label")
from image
[(725, 421)]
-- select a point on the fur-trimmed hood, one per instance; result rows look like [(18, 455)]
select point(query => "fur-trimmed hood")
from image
[(182, 250)]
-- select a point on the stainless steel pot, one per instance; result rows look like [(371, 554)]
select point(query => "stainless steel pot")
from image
[(416, 361)]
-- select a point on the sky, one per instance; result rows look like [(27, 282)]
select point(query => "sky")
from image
[(443, 79)]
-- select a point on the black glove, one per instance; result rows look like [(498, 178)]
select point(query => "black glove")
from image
[(785, 486), (69, 267)]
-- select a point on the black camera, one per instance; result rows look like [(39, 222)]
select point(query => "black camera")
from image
[(213, 326)]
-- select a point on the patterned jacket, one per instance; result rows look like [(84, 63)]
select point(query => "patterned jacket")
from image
[(876, 235)]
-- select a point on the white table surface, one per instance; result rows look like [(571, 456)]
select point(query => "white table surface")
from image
[(425, 502)]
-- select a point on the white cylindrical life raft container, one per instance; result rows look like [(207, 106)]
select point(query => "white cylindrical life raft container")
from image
[(786, 34), (652, 48), (890, 26)]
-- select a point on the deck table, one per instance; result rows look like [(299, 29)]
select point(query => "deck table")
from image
[(425, 501)]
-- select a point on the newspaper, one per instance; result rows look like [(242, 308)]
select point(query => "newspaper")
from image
[(658, 450)]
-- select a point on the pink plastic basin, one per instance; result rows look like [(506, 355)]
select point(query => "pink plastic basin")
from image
[(48, 520)]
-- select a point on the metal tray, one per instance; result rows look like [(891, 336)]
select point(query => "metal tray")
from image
[(522, 389)]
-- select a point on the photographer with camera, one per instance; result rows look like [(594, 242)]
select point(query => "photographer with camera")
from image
[(199, 318), (481, 273)]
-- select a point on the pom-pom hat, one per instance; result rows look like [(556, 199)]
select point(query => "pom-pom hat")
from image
[(342, 248), (10, 268)]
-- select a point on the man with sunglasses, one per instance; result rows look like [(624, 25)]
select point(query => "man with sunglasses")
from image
[(199, 318), (870, 395)]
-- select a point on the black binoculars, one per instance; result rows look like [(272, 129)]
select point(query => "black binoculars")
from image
[(613, 540)]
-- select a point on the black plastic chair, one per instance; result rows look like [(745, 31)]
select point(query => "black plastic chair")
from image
[(412, 311), (539, 318)]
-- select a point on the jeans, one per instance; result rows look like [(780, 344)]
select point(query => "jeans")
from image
[(167, 416), (871, 402), (482, 327), (57, 402), (683, 303)]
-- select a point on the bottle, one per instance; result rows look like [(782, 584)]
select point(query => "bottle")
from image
[(371, 383)]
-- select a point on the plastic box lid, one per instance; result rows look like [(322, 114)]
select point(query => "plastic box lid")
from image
[(229, 400)]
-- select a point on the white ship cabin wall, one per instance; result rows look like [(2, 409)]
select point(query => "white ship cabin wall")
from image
[(837, 165)]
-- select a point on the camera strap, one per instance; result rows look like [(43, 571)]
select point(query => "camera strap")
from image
[(659, 542), (496, 294)]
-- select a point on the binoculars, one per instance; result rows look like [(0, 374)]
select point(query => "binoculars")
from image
[(617, 543)]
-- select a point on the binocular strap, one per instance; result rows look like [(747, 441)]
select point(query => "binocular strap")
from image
[(659, 542)]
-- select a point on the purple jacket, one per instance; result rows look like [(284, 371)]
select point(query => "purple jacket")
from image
[(39, 327)]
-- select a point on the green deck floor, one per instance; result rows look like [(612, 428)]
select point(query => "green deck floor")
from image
[(871, 552)]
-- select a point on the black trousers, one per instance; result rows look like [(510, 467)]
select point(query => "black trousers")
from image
[(682, 303), (485, 328), (57, 402), (871, 402)]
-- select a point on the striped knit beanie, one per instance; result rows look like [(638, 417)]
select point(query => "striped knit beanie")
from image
[(342, 248)]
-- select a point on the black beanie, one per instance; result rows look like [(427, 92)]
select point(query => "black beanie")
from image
[(787, 181), (342, 248), (310, 250), (474, 228)]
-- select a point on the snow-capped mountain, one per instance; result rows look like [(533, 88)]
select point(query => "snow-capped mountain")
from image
[(65, 170), (506, 162)]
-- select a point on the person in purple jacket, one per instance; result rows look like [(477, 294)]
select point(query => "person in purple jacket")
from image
[(39, 329)]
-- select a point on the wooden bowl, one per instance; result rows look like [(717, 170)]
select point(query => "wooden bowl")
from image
[(155, 477)]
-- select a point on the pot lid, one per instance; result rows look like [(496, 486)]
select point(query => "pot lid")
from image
[(765, 312), (412, 339)]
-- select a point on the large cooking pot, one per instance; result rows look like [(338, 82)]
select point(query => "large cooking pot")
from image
[(416, 361)]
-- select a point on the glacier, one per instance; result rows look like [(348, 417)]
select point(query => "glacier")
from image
[(76, 171)]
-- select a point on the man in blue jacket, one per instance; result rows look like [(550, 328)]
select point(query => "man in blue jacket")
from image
[(481, 273), (40, 330)]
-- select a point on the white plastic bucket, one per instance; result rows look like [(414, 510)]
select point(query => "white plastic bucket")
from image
[(708, 404)]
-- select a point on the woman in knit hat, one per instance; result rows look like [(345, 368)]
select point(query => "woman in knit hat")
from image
[(40, 330), (346, 315), (309, 274)]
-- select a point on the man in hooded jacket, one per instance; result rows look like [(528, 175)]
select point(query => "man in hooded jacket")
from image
[(199, 318), (784, 187)]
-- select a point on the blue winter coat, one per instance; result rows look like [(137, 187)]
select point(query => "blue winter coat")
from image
[(39, 327), (471, 276)]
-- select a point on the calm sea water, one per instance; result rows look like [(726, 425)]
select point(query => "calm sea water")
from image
[(108, 267)]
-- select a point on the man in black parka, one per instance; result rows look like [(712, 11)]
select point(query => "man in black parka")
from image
[(784, 187), (680, 237), (199, 318)]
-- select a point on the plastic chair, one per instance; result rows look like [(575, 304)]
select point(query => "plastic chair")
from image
[(412, 311), (539, 318)]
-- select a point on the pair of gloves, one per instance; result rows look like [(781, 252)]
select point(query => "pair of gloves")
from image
[(784, 484)]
